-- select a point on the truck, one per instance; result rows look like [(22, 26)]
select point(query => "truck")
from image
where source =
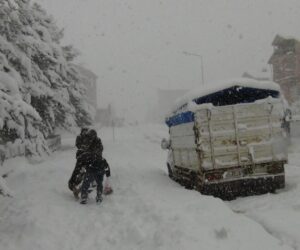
[(228, 140)]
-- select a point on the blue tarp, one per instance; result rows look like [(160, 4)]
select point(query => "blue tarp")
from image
[(228, 96), (184, 117), (235, 95)]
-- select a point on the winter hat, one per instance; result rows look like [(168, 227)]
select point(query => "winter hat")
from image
[(84, 130), (92, 134)]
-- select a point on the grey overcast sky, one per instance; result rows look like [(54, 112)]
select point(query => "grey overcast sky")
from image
[(136, 46)]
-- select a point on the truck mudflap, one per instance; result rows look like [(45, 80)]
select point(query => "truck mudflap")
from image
[(229, 190)]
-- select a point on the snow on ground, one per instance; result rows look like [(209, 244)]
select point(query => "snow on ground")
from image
[(278, 213), (146, 211)]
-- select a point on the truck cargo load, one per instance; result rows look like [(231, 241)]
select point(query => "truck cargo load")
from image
[(228, 141)]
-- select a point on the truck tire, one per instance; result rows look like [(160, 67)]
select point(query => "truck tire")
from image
[(170, 172)]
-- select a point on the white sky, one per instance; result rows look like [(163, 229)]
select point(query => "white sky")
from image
[(135, 46)]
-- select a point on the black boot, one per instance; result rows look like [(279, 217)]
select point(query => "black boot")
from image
[(99, 198), (83, 201)]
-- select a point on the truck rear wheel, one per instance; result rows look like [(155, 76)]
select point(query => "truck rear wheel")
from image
[(170, 172)]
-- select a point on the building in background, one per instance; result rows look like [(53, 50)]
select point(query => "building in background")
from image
[(104, 116), (107, 117), (285, 62), (90, 81)]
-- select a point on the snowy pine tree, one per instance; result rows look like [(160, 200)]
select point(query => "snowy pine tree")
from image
[(40, 90)]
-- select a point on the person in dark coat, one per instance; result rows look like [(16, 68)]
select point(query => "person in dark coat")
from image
[(83, 143), (95, 167), (95, 143), (80, 138)]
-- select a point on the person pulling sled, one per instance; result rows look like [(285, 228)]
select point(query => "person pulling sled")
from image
[(82, 145), (88, 155)]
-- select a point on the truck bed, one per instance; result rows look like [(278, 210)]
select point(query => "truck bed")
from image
[(230, 136)]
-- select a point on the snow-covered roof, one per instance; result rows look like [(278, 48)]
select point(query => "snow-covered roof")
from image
[(220, 85), (282, 38)]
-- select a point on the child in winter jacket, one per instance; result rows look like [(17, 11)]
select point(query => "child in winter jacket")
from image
[(95, 171)]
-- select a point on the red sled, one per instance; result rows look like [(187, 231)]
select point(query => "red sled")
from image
[(108, 190)]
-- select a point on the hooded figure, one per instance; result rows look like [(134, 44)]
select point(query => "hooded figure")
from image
[(86, 142), (89, 151), (80, 138), (95, 166)]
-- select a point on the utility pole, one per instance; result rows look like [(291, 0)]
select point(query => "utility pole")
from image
[(202, 65), (113, 129), (111, 121)]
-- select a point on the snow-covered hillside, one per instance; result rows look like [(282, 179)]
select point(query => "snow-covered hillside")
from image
[(146, 211)]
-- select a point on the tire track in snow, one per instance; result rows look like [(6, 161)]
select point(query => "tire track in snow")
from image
[(289, 241)]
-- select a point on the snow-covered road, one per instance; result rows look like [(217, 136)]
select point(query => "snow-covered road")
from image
[(279, 214), (147, 209)]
